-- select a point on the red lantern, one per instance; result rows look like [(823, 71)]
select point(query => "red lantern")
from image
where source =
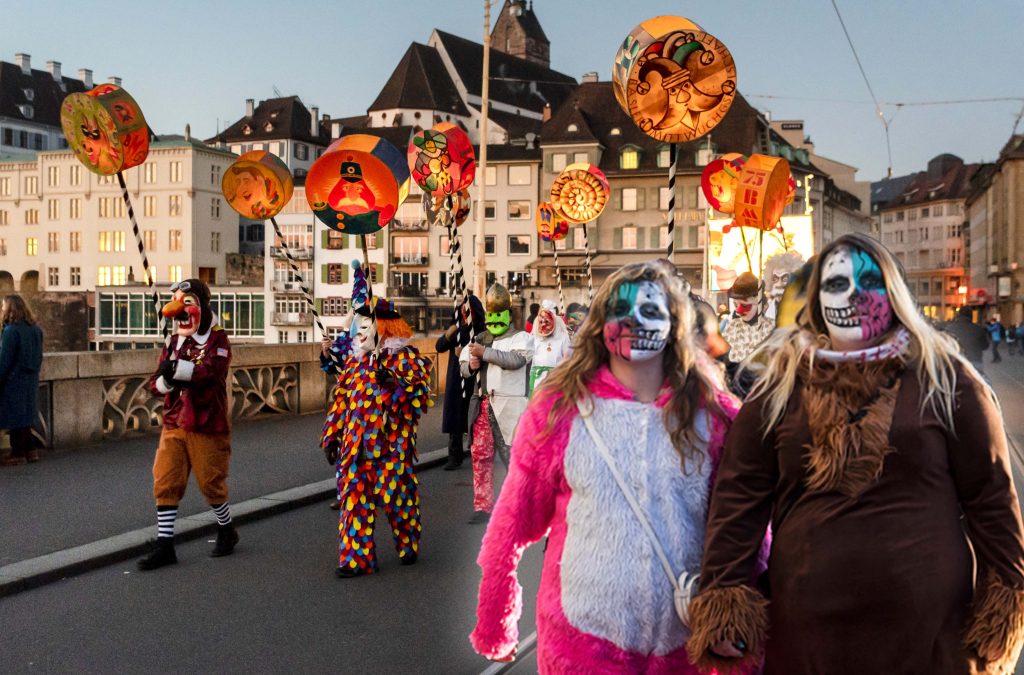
[(441, 160), (105, 129), (719, 179)]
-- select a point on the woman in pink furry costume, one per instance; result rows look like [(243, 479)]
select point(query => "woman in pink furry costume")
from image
[(605, 602)]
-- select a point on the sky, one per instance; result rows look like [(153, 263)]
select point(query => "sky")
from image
[(195, 62)]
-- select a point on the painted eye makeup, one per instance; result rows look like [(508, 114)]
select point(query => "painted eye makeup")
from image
[(835, 284), (871, 281)]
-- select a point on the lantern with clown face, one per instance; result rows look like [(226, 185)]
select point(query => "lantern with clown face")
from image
[(105, 129), (719, 180), (441, 160), (189, 307), (854, 300)]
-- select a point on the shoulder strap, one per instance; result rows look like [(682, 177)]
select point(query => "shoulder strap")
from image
[(627, 493)]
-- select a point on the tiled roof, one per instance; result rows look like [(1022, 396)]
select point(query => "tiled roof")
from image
[(399, 137), (527, 20), (947, 178), (517, 126), (510, 153), (47, 94), (275, 118), (420, 80)]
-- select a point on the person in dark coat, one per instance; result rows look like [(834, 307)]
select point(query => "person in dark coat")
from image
[(21, 356), (972, 338), (456, 396)]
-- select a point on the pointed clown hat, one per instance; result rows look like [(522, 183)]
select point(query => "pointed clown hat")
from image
[(381, 308)]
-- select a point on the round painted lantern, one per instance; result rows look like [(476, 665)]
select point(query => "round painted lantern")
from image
[(719, 179), (761, 193), (464, 204), (257, 185), (357, 185), (680, 81), (105, 129), (459, 208), (580, 193), (441, 159), (551, 226)]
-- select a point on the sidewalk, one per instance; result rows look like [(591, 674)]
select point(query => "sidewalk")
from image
[(81, 509)]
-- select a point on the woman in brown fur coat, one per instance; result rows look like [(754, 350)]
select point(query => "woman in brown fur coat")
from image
[(878, 456)]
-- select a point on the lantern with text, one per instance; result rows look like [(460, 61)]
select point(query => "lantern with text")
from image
[(637, 43), (761, 192), (441, 160), (257, 185), (105, 129), (580, 193), (357, 185)]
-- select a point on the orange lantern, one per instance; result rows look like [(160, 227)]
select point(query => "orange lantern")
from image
[(679, 83), (550, 225), (258, 185), (761, 193), (464, 204), (580, 193), (719, 179), (442, 160), (105, 129), (357, 185), (637, 42)]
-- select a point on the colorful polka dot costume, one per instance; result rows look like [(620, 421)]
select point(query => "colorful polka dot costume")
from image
[(374, 425)]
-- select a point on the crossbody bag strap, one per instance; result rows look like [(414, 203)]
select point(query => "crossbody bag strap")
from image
[(628, 494)]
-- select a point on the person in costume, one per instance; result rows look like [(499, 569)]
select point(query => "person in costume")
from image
[(551, 344), (879, 456), (467, 321), (778, 270), (499, 359), (196, 436), (749, 326), (605, 602), (370, 433)]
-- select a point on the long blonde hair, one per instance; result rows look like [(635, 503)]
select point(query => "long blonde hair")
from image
[(932, 355), (693, 381)]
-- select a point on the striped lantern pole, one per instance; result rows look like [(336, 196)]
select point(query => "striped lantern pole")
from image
[(590, 271), (558, 280), (673, 159), (142, 251)]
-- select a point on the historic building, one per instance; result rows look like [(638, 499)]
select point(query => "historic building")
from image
[(30, 104)]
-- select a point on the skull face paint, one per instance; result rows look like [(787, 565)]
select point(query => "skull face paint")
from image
[(853, 298), (637, 323)]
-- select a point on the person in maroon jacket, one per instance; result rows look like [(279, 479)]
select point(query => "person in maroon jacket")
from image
[(192, 377)]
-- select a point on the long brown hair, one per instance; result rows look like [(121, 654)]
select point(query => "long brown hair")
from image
[(15, 310), (693, 381)]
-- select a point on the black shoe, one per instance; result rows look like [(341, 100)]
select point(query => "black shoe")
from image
[(408, 558), (162, 555), (227, 537), (336, 505), (479, 517), (453, 463), (349, 572)]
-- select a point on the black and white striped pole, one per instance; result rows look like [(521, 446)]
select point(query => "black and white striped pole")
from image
[(673, 159), (162, 321)]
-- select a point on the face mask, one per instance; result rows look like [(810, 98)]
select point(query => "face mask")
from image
[(637, 323), (498, 322), (186, 312), (748, 308), (366, 333), (854, 302), (545, 323)]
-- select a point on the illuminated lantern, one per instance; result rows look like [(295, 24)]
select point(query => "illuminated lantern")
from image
[(762, 190), (105, 129), (257, 185), (680, 80), (464, 204), (580, 193), (790, 191), (719, 179), (550, 225), (357, 185), (442, 160)]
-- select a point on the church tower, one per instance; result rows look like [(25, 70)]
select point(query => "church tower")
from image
[(518, 33)]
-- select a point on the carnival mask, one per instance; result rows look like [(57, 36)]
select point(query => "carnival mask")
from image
[(185, 309), (780, 279), (498, 322), (749, 307), (365, 337), (853, 298), (545, 323), (637, 323)]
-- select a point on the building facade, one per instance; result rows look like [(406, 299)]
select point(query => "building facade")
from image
[(30, 104)]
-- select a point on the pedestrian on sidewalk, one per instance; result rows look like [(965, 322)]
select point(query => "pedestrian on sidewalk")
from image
[(370, 431), (21, 356), (638, 408), (878, 455), (972, 338), (467, 321), (192, 378), (1012, 340), (995, 336)]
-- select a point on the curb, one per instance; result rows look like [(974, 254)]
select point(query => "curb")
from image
[(25, 575)]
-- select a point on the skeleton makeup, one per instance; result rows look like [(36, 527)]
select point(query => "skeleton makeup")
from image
[(853, 298), (637, 322)]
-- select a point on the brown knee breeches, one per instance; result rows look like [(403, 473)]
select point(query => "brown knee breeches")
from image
[(179, 453)]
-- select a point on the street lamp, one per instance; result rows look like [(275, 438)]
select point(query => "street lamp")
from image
[(962, 290)]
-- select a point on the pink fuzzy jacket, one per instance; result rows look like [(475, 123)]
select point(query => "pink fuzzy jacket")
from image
[(532, 504)]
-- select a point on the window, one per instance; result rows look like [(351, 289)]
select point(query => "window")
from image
[(899, 216), (924, 212), (337, 273), (955, 231), (899, 237), (664, 157), (924, 234), (76, 276), (31, 185), (445, 245), (53, 242), (215, 208), (303, 336), (282, 338), (75, 208), (516, 281), (938, 209), (174, 205), (215, 242), (335, 306), (105, 180), (149, 240), (149, 175), (111, 207), (887, 218), (519, 244), (558, 162), (215, 175), (924, 287), (32, 217), (53, 176), (152, 275), (3, 218), (663, 237), (490, 210), (174, 240), (491, 176), (518, 209), (519, 174), (173, 273), (175, 172), (954, 256), (580, 158), (3, 247), (103, 276), (31, 246), (53, 276), (629, 159), (149, 206), (912, 214), (409, 250), (76, 175), (53, 209), (629, 235), (629, 199), (488, 244), (335, 240), (111, 242), (5, 186), (301, 151), (663, 195)]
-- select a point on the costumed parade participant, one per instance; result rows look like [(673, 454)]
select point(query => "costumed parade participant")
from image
[(457, 392), (499, 360), (638, 394), (778, 270), (880, 458), (196, 436), (551, 343), (370, 433), (749, 327)]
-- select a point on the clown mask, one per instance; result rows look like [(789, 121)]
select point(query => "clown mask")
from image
[(185, 310), (365, 337), (853, 298), (637, 323), (747, 308), (545, 323), (498, 322)]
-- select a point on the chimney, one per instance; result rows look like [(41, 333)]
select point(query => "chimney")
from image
[(314, 121), (24, 61), (54, 68), (85, 75), (590, 77), (547, 112), (188, 132), (114, 80), (249, 107)]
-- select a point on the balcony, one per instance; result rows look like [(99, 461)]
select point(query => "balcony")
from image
[(415, 259), (297, 253), (285, 286), (408, 292), (289, 318)]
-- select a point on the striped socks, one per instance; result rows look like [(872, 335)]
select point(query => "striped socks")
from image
[(223, 513), (165, 517)]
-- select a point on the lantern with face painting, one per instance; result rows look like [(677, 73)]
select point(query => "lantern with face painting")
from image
[(441, 160), (257, 185), (719, 180), (105, 129)]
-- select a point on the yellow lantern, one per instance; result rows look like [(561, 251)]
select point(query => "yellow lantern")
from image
[(258, 185), (105, 129), (580, 193)]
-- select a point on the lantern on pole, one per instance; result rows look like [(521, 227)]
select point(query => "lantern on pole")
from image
[(441, 160), (257, 185), (105, 129)]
